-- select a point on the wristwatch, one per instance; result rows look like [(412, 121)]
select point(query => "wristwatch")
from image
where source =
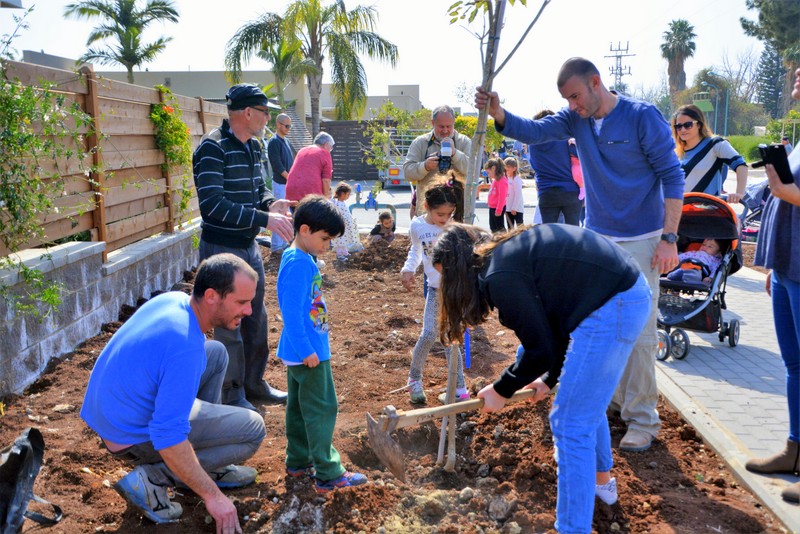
[(670, 238)]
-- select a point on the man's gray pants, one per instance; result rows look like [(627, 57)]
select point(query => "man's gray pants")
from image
[(637, 393), (221, 435), (247, 345)]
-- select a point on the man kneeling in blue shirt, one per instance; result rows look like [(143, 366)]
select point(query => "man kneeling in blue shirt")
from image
[(154, 397)]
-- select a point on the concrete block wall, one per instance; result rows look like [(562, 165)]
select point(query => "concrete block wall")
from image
[(93, 293)]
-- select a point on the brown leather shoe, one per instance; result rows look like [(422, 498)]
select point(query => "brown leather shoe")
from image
[(786, 461), (792, 493), (635, 441)]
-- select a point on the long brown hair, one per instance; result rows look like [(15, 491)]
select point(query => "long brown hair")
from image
[(462, 250), (696, 114)]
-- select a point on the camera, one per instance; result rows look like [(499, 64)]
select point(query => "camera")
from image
[(776, 156), (445, 156)]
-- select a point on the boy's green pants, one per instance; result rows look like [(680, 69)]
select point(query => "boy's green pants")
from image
[(311, 411)]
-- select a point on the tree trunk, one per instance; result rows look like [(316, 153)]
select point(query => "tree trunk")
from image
[(314, 90), (473, 169), (130, 74)]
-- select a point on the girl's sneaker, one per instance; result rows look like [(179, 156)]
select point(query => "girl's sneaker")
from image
[(607, 492), (461, 396), (298, 472), (417, 392), (347, 479)]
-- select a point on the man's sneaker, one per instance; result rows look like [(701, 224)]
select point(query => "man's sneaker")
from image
[(347, 479), (298, 472), (230, 476), (417, 392), (233, 476), (607, 492), (460, 397), (150, 499)]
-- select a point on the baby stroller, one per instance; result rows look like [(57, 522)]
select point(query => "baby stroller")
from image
[(755, 197), (698, 306)]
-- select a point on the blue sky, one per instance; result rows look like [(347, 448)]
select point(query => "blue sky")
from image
[(438, 56)]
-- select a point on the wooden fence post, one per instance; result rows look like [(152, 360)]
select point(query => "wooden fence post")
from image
[(165, 173), (93, 144), (202, 114)]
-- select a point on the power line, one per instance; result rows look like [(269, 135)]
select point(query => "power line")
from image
[(618, 70)]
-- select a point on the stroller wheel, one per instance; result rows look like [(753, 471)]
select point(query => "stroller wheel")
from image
[(664, 345), (680, 344), (733, 333)]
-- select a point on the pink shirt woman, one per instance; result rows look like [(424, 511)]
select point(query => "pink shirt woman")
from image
[(312, 169)]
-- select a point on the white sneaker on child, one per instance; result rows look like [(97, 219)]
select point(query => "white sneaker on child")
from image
[(607, 492), (417, 392)]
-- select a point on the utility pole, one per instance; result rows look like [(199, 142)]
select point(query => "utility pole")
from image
[(618, 71)]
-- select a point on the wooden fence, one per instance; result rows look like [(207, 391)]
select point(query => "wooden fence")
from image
[(130, 197), (348, 156)]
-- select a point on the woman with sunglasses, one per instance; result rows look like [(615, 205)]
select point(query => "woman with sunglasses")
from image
[(705, 158)]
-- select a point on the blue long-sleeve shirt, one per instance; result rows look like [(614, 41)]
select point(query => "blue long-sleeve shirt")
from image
[(145, 381), (305, 314), (629, 168), (553, 166)]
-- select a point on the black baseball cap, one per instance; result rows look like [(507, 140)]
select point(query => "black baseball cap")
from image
[(246, 95)]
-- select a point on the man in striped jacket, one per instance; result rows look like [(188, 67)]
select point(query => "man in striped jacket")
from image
[(235, 204)]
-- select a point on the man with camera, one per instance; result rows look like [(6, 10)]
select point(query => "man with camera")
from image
[(436, 152)]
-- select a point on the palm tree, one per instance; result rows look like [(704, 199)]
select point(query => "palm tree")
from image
[(288, 65), (676, 48), (125, 23), (325, 31)]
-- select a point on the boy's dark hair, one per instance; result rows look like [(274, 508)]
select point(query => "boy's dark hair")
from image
[(385, 216), (576, 66), (218, 273), (341, 189), (318, 214)]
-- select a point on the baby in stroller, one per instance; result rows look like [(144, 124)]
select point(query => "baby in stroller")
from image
[(698, 265)]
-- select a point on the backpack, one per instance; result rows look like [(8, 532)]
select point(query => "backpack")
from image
[(19, 465)]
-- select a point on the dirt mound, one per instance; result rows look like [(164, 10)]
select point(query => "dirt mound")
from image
[(505, 473)]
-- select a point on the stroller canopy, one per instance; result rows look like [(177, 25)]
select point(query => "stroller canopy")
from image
[(708, 217)]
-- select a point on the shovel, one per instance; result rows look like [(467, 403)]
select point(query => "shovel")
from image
[(380, 431)]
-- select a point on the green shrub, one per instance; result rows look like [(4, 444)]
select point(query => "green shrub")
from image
[(747, 145)]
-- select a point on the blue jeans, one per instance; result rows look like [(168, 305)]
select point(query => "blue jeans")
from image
[(786, 311), (594, 363), (279, 192)]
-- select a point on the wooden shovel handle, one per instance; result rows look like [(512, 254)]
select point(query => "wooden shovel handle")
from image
[(422, 415)]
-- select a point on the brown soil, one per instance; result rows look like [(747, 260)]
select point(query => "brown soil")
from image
[(505, 478)]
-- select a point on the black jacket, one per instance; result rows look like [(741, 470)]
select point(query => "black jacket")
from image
[(544, 282)]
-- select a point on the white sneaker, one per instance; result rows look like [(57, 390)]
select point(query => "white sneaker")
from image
[(607, 492), (417, 392)]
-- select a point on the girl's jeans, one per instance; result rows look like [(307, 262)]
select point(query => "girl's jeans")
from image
[(786, 310), (595, 360), (429, 336)]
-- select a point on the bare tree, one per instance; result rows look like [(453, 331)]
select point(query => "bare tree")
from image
[(741, 74), (492, 11)]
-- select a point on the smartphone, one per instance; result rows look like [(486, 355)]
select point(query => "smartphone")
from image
[(776, 155)]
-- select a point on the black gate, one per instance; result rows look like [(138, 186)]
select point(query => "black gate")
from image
[(348, 154)]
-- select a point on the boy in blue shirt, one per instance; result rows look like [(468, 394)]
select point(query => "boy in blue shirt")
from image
[(312, 407)]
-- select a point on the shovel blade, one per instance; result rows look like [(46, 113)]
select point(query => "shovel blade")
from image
[(386, 448)]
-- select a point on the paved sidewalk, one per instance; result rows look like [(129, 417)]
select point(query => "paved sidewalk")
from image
[(736, 397)]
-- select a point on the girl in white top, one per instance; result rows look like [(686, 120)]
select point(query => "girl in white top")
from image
[(349, 241), (440, 204), (515, 204)]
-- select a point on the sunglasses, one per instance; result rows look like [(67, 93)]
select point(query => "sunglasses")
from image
[(688, 125), (262, 110), (287, 126)]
